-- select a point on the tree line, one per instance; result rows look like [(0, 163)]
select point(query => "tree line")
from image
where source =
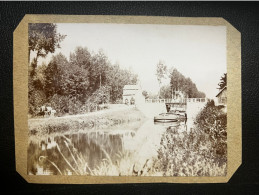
[(178, 82), (186, 85), (75, 85)]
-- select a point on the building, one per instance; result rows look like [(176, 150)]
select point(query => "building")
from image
[(132, 94), (222, 97)]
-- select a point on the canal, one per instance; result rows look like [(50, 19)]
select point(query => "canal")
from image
[(98, 152)]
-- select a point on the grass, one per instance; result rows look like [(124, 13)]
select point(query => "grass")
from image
[(77, 164), (130, 117)]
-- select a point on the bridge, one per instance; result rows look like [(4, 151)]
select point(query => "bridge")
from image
[(180, 101), (191, 106)]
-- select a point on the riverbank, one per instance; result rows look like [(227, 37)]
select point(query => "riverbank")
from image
[(200, 152), (106, 119), (125, 142)]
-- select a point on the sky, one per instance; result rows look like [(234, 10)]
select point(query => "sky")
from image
[(198, 52)]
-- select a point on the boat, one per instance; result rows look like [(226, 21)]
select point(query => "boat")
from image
[(181, 114), (172, 116), (166, 117), (168, 124)]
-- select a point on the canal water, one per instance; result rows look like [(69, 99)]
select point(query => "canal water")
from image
[(86, 152)]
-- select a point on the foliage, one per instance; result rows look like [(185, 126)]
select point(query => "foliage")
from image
[(43, 38), (117, 78), (183, 154), (165, 92), (180, 82), (60, 103), (81, 57), (223, 81), (152, 96), (161, 71), (78, 82), (213, 122), (54, 74), (201, 152), (65, 79), (100, 96), (36, 94)]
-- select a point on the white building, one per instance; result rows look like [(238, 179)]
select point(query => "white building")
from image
[(132, 94), (222, 97)]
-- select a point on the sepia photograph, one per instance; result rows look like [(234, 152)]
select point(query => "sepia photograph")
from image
[(111, 99)]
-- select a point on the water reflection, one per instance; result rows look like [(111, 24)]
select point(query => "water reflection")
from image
[(83, 152)]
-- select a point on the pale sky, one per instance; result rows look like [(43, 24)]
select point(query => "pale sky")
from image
[(198, 52)]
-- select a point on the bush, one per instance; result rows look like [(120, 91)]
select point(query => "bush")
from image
[(64, 105), (202, 152), (183, 154), (60, 104), (74, 106), (36, 100), (213, 122)]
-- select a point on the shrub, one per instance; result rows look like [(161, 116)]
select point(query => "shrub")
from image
[(202, 152), (60, 104), (213, 122), (183, 154)]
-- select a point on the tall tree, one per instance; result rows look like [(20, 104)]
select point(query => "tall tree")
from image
[(43, 39), (55, 73), (161, 71), (102, 64), (165, 92), (180, 83), (117, 78), (223, 81), (81, 57), (66, 79)]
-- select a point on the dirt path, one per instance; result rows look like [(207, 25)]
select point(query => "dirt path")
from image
[(113, 108)]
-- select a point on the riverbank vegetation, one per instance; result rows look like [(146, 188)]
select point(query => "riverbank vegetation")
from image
[(128, 119), (201, 152)]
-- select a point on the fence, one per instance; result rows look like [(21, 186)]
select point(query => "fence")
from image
[(185, 100)]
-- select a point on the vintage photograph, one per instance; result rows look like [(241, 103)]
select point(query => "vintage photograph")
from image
[(109, 99)]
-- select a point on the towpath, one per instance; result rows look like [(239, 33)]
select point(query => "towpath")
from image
[(113, 108)]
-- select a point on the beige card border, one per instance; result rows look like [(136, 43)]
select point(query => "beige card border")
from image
[(20, 84)]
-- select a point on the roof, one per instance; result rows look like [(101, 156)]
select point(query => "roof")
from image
[(131, 87), (221, 91)]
